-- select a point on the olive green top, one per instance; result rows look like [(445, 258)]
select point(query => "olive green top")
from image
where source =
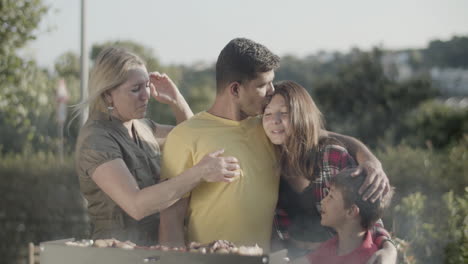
[(101, 140)]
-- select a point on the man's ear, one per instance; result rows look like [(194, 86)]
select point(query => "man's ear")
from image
[(234, 89)]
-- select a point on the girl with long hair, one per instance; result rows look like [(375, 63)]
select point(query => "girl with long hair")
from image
[(308, 157)]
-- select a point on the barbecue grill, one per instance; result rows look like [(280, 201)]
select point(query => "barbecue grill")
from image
[(58, 252)]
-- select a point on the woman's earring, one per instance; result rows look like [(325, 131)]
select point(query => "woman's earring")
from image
[(109, 111)]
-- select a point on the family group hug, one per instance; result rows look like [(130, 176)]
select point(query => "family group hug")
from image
[(256, 168)]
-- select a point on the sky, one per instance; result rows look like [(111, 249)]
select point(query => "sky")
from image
[(193, 31)]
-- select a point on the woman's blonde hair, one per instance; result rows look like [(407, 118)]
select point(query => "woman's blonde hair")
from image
[(297, 154), (110, 70)]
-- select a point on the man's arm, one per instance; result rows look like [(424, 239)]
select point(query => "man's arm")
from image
[(387, 255), (376, 183), (171, 226), (387, 252)]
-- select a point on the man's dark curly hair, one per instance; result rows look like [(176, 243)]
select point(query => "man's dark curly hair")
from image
[(349, 186), (241, 60)]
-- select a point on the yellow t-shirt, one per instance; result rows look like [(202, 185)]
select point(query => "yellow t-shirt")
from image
[(241, 211)]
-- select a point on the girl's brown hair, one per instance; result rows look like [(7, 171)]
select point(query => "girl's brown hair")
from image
[(297, 154)]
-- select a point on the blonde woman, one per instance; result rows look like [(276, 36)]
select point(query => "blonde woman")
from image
[(118, 150)]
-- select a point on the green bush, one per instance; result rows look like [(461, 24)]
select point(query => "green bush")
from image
[(431, 202), (432, 172), (440, 237), (40, 201), (436, 124)]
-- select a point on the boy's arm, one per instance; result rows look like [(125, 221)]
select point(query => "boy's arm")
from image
[(376, 182)]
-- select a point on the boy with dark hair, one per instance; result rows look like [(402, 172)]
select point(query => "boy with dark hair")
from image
[(344, 210)]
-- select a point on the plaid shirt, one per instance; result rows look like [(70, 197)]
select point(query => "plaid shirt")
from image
[(332, 158)]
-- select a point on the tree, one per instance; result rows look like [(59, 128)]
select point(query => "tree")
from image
[(18, 22), (436, 124), (27, 108), (452, 53), (25, 89), (68, 65), (311, 70), (363, 102)]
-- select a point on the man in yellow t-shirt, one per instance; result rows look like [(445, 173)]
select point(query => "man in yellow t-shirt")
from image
[(240, 211)]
